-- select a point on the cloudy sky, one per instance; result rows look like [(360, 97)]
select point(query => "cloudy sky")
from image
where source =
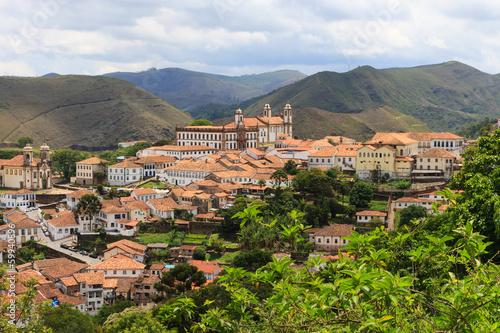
[(237, 37)]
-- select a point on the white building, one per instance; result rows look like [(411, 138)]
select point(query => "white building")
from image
[(367, 215), (86, 170), (179, 152), (124, 173), (144, 194), (186, 172), (73, 198), (119, 266), (24, 199), (22, 230), (63, 225), (91, 286)]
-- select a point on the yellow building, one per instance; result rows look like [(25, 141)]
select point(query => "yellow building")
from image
[(374, 163), (25, 171)]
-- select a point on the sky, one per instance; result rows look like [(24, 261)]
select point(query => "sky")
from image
[(236, 37)]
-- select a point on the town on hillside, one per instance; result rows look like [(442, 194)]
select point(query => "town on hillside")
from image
[(103, 231)]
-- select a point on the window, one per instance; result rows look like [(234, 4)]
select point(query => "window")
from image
[(124, 272), (114, 272)]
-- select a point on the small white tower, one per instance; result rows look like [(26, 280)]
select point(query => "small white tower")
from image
[(238, 118), (28, 155), (287, 118), (267, 111), (45, 153)]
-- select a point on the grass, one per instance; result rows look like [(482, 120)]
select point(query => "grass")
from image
[(165, 238), (226, 258), (154, 184), (196, 236), (378, 205)]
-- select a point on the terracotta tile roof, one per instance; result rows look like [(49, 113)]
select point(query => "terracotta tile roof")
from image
[(437, 152), (19, 192), (320, 143), (271, 120), (163, 204), (90, 278), (327, 152), (348, 150), (46, 263), (25, 275), (155, 158), (130, 244), (69, 281), (143, 191), (415, 200), (189, 247), (158, 267), (337, 230), (205, 216), (206, 183), (394, 139), (113, 210), (123, 285), (46, 293), (431, 136), (371, 213), (124, 200), (125, 164), (256, 151), (118, 262), (57, 272), (112, 202), (65, 219), (78, 194), (214, 156), (18, 161), (140, 205), (110, 283), (24, 223), (404, 159), (132, 224), (209, 267), (92, 161), (147, 279)]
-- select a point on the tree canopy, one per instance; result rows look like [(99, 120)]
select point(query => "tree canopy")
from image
[(361, 194), (201, 122)]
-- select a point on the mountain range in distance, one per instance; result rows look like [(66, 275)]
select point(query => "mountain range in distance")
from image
[(97, 111)]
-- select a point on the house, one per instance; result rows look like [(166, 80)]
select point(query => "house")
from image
[(24, 199), (373, 162), (124, 173), (187, 250), (46, 294), (110, 215), (323, 159), (330, 238), (166, 207), (91, 285), (242, 133), (25, 171), (91, 171), (210, 269), (345, 157), (138, 211), (367, 215), (434, 164), (186, 172), (119, 266), (405, 202), (144, 194), (143, 290), (153, 163), (128, 248), (68, 285), (22, 228), (73, 198), (56, 272), (63, 225)]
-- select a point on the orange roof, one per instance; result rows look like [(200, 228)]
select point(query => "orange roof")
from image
[(338, 230), (140, 205), (155, 158), (209, 267), (437, 152), (394, 139), (65, 219), (327, 152), (128, 243), (25, 223), (416, 200), (113, 210), (125, 164), (118, 262), (21, 191), (143, 191), (371, 213), (78, 194), (90, 278), (92, 161)]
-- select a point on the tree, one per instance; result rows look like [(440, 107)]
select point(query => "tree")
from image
[(201, 122), (361, 194), (262, 182), (132, 150), (301, 181), (64, 319), (200, 253), (279, 176), (290, 165), (479, 178), (64, 161), (251, 261), (182, 277), (105, 311), (23, 141), (320, 184), (410, 213), (164, 142), (89, 205)]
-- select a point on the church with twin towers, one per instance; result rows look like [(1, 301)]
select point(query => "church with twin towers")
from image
[(242, 133)]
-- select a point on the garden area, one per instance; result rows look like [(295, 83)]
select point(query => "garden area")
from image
[(153, 183), (173, 238)]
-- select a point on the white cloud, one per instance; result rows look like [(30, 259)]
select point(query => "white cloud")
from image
[(232, 36)]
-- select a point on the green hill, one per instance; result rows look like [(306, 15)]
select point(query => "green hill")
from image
[(91, 111), (189, 90), (444, 96)]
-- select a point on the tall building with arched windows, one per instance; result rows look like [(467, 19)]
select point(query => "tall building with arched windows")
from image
[(242, 133), (26, 171)]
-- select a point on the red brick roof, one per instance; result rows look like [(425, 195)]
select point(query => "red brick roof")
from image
[(118, 262), (371, 213), (336, 230)]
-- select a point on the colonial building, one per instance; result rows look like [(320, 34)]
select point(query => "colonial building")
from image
[(124, 173), (91, 171), (434, 164), (242, 133), (24, 199), (28, 172)]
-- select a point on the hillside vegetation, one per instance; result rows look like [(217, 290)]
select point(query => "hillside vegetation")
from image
[(83, 110), (189, 90), (444, 96)]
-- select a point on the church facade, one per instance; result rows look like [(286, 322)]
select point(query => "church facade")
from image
[(242, 133), (25, 171)]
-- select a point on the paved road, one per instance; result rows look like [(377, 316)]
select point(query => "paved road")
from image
[(56, 245)]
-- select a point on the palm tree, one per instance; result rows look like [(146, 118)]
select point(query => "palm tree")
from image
[(89, 205)]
